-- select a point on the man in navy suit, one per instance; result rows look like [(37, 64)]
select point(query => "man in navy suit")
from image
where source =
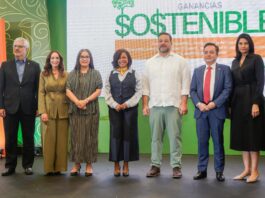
[(19, 81), (210, 88)]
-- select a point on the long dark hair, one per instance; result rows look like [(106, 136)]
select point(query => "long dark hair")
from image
[(250, 43), (117, 56), (47, 70), (77, 64)]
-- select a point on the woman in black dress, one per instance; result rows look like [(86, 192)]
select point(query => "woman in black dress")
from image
[(247, 111), (122, 94)]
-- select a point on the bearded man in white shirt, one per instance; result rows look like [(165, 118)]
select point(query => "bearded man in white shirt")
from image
[(166, 84)]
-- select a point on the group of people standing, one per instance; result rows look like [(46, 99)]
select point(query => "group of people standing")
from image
[(215, 87), (62, 100), (69, 99), (218, 91), (66, 101)]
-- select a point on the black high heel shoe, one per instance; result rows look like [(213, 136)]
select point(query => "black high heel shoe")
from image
[(125, 169), (75, 173), (125, 173), (57, 173), (49, 174), (89, 173)]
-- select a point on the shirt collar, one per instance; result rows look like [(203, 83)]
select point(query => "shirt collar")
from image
[(159, 56), (129, 70), (213, 66), (20, 61)]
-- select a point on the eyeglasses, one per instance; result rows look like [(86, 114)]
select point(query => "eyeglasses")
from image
[(84, 57), (209, 52), (19, 46)]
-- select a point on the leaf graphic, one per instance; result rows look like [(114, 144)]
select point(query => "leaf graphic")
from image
[(121, 4), (41, 31), (31, 3), (41, 10), (26, 23)]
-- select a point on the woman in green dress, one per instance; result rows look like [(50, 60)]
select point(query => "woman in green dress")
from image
[(83, 88)]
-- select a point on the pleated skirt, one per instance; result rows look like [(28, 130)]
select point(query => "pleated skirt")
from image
[(84, 137)]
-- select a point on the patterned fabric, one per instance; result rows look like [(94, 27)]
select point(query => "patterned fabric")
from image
[(84, 138), (82, 86), (84, 123)]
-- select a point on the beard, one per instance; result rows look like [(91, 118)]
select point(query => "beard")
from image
[(164, 49)]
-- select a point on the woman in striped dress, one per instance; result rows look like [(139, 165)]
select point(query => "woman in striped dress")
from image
[(83, 88)]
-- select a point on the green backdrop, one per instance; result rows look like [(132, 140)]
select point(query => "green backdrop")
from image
[(189, 138), (44, 23), (58, 33)]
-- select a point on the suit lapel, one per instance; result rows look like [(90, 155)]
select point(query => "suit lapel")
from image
[(26, 69), (14, 68), (201, 77), (217, 77)]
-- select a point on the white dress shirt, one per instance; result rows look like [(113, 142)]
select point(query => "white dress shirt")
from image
[(166, 79)]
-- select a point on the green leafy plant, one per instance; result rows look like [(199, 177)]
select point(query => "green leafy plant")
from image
[(121, 4)]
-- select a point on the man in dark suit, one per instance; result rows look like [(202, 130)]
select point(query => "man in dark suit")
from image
[(210, 88), (19, 80)]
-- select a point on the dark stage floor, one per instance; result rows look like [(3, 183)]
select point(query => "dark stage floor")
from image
[(104, 185)]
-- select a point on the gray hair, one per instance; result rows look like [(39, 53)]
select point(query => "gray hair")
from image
[(25, 41)]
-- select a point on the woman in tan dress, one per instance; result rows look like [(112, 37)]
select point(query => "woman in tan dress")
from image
[(53, 108), (83, 88)]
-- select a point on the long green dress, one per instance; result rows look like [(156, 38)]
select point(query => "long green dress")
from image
[(84, 123)]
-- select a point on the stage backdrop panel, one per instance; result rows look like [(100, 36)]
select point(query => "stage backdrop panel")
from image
[(106, 25), (2, 58), (28, 19)]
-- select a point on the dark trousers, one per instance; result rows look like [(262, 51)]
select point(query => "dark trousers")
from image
[(124, 135), (11, 123), (209, 125)]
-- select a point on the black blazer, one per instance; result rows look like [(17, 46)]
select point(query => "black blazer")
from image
[(13, 93)]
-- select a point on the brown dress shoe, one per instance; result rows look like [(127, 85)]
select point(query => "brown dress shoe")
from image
[(177, 173), (153, 172)]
